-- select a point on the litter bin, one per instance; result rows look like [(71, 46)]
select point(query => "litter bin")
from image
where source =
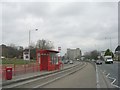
[(8, 73)]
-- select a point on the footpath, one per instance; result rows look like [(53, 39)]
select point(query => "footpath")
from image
[(28, 76)]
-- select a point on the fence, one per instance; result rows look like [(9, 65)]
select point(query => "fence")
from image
[(19, 69)]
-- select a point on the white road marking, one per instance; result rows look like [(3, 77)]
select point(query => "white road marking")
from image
[(107, 74), (104, 72), (116, 86), (114, 80), (97, 78)]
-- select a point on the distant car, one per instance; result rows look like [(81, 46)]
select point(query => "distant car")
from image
[(93, 60), (66, 61), (71, 62), (98, 62)]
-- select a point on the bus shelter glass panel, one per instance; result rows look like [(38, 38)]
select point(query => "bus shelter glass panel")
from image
[(39, 61), (54, 58)]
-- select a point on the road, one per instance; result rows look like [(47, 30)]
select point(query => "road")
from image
[(67, 65), (111, 72)]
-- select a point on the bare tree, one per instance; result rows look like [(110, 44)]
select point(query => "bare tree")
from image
[(32, 45), (95, 54), (87, 55), (92, 55), (44, 44), (12, 45)]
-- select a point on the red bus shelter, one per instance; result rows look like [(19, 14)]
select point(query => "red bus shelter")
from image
[(48, 59)]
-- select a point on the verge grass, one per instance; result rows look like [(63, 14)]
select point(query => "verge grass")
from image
[(16, 61)]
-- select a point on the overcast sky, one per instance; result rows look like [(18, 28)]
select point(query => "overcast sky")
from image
[(84, 25)]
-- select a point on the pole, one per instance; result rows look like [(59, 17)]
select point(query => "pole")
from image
[(110, 46), (29, 41), (29, 45)]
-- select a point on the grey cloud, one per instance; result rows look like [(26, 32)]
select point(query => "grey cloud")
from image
[(67, 24), (119, 23), (71, 9), (39, 9), (11, 11)]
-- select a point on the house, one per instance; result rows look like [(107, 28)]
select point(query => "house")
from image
[(26, 55), (73, 54), (117, 53)]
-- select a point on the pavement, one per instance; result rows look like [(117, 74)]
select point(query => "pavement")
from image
[(24, 77)]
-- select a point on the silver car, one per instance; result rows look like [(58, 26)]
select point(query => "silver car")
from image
[(71, 62), (98, 62)]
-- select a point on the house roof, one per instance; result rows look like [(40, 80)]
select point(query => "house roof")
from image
[(118, 48)]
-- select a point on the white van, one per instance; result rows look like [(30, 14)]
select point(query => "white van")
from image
[(108, 59)]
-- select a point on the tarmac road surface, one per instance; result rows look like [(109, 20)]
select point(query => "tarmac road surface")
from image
[(112, 72)]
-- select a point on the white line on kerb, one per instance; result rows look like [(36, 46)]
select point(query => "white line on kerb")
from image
[(97, 78)]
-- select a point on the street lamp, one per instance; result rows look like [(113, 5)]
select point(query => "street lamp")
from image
[(29, 41)]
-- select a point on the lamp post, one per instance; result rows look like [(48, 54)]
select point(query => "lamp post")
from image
[(29, 41)]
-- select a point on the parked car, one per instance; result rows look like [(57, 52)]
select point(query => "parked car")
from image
[(98, 62), (71, 61)]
